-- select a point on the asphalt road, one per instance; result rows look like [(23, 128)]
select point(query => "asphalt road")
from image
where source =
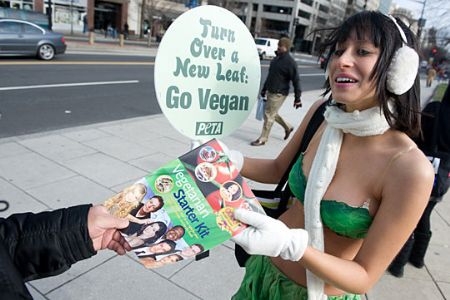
[(79, 89)]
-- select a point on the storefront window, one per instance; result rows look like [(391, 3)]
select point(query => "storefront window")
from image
[(17, 4)]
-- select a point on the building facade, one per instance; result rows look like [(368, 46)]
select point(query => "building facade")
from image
[(300, 20)]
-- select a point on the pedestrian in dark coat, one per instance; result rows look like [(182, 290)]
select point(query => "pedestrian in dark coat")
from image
[(283, 69), (435, 143)]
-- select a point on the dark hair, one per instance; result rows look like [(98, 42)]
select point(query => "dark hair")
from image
[(171, 243), (161, 201), (199, 246), (162, 229), (179, 257), (384, 34), (177, 226), (236, 195)]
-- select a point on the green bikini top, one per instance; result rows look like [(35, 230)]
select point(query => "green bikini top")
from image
[(343, 219)]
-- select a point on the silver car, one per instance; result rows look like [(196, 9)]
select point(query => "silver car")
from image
[(26, 38)]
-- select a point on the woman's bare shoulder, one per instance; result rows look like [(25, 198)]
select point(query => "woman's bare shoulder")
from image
[(408, 167)]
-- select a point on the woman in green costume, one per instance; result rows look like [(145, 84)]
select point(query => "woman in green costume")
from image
[(361, 185)]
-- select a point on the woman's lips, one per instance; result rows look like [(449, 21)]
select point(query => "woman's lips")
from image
[(344, 81)]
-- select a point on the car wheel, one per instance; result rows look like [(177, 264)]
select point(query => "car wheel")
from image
[(46, 52)]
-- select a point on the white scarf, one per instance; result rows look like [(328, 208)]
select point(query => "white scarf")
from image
[(360, 123)]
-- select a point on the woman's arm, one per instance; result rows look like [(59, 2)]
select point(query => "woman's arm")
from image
[(405, 192), (271, 170), (133, 219)]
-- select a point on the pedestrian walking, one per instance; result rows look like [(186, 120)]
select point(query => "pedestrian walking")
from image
[(85, 23), (436, 144), (283, 69), (362, 184), (126, 30), (431, 74)]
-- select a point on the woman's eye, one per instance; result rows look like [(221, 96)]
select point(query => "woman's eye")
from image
[(338, 52), (362, 52)]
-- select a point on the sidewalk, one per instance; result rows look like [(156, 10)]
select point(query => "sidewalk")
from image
[(79, 44), (90, 163)]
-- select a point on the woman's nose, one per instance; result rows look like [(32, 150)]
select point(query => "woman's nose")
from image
[(345, 59)]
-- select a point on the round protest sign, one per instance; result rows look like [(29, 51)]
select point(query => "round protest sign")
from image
[(207, 73)]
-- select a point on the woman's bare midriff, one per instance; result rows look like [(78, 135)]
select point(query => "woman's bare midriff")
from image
[(338, 246)]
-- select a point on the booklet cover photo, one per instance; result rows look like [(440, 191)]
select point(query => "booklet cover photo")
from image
[(185, 207)]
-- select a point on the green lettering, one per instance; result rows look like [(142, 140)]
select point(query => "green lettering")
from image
[(203, 99), (219, 76), (224, 100), (243, 103), (181, 67), (196, 47)]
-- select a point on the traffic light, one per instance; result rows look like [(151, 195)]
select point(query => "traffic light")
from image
[(433, 51)]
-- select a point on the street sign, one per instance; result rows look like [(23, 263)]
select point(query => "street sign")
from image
[(207, 73), (421, 22)]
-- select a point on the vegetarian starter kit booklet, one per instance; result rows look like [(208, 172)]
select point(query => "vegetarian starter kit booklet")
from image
[(185, 207)]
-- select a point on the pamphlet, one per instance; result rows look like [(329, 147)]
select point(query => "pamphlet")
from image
[(185, 207)]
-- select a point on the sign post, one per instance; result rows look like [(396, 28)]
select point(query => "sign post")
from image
[(207, 73)]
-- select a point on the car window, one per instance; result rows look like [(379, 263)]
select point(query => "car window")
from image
[(9, 27), (268, 43), (31, 29), (260, 42)]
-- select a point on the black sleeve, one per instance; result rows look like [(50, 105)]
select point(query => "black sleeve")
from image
[(428, 126), (295, 77), (45, 244)]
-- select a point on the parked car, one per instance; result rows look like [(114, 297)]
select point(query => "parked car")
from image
[(323, 59), (26, 38), (266, 47), (423, 65), (39, 19)]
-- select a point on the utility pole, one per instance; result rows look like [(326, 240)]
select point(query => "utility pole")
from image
[(143, 8), (71, 17), (421, 20), (49, 14)]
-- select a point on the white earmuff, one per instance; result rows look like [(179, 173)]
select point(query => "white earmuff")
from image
[(403, 68)]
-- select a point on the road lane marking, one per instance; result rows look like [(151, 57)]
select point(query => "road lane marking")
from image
[(130, 63), (44, 86), (312, 74)]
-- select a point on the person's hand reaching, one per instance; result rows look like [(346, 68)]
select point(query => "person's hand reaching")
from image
[(103, 230), (267, 236)]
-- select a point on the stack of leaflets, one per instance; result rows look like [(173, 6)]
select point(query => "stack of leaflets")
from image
[(185, 207)]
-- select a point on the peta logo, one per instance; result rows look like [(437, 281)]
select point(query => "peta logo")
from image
[(208, 128)]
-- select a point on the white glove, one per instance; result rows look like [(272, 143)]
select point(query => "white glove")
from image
[(270, 237), (236, 157), (196, 143)]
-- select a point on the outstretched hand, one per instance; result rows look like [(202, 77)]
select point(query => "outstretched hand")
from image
[(103, 230), (267, 236)]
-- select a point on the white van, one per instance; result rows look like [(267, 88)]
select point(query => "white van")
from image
[(266, 47)]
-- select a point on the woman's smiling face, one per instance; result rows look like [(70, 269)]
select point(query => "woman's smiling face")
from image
[(349, 70), (151, 205), (150, 231)]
